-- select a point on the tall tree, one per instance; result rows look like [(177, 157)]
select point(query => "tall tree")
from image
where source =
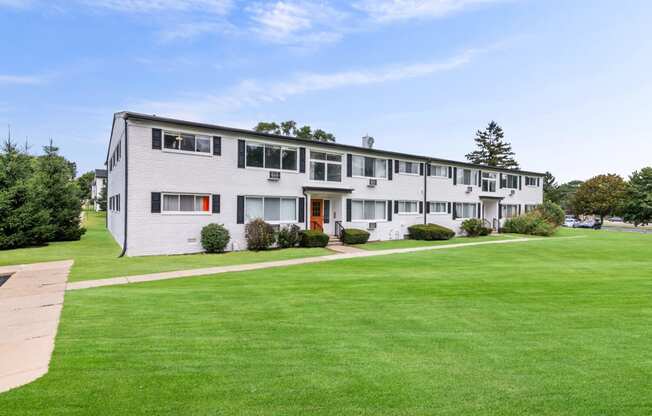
[(601, 195), (84, 183), (566, 192), (550, 189), (492, 149), (289, 128), (637, 208)]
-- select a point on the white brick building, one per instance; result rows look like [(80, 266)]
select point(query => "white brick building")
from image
[(96, 187), (168, 178)]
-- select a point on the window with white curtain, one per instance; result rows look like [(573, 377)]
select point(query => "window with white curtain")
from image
[(368, 210), (438, 207), (185, 203), (439, 171), (271, 209), (509, 210), (511, 181), (530, 207), (530, 181), (408, 207), (369, 167), (411, 168), (466, 210), (467, 177)]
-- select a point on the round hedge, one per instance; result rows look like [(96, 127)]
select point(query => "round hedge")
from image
[(354, 236), (430, 232), (214, 238), (313, 238)]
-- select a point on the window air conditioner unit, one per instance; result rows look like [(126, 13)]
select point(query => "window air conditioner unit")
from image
[(469, 189), (274, 176), (372, 183), (513, 192), (372, 226)]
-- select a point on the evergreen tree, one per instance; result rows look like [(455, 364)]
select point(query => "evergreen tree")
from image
[(23, 221), (289, 128), (492, 150), (637, 208), (59, 194), (551, 189)]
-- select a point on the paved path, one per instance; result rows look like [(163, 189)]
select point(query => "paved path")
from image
[(257, 266), (30, 305)]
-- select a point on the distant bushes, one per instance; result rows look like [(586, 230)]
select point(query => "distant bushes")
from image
[(259, 235), (430, 232), (473, 227), (288, 236), (532, 223), (313, 238), (214, 238), (355, 236), (552, 213)]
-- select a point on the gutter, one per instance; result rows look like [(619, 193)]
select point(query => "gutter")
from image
[(124, 244), (425, 191), (305, 209)]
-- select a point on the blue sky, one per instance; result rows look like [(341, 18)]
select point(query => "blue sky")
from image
[(569, 81)]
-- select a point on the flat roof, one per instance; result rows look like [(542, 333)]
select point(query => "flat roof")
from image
[(296, 140)]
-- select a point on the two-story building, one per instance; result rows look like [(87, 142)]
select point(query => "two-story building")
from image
[(168, 178), (96, 187)]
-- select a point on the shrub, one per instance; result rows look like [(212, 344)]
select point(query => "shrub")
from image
[(259, 235), (430, 232), (313, 238), (474, 227), (552, 213), (532, 223), (214, 238), (288, 236), (354, 236)]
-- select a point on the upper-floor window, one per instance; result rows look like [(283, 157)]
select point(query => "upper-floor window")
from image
[(530, 181), (368, 210), (488, 182), (509, 210), (186, 142), (186, 203), (271, 209), (511, 181), (438, 207), (325, 166), (439, 170), (408, 167), (408, 207), (271, 156), (370, 167), (466, 210), (467, 177)]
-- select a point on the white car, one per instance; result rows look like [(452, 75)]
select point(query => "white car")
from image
[(570, 222)]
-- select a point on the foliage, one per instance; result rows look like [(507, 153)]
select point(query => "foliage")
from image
[(566, 194), (289, 128), (492, 150), (288, 236), (637, 208), (84, 183), (601, 195), (532, 223), (355, 236), (313, 238), (214, 238), (473, 227), (550, 188), (430, 232), (101, 201), (552, 213), (23, 221), (259, 235)]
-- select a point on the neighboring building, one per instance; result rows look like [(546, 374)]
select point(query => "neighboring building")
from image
[(96, 187), (168, 178)]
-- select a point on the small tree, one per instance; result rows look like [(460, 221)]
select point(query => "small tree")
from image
[(84, 183), (289, 128), (492, 150), (259, 235), (601, 195), (550, 188), (637, 208)]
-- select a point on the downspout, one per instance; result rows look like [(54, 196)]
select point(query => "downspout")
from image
[(425, 191), (124, 245), (305, 209)]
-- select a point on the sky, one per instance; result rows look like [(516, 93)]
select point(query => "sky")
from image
[(569, 81)]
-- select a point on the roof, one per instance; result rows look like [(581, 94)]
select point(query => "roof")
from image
[(101, 173), (296, 140)]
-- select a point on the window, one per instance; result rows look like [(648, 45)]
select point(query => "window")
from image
[(369, 167), (488, 182), (186, 142), (511, 181), (530, 181), (271, 156), (466, 210), (408, 207), (438, 207), (466, 177), (271, 209), (325, 167), (408, 167), (439, 171), (530, 207), (510, 211), (368, 210), (186, 203)]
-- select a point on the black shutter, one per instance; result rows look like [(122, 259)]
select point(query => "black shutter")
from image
[(389, 210), (396, 166), (428, 208), (302, 159), (420, 207), (538, 181), (216, 203), (302, 209), (479, 208), (519, 209), (395, 207), (156, 202), (449, 208), (501, 181), (500, 211), (217, 145), (241, 156), (327, 211), (454, 211), (349, 167), (389, 169), (156, 138), (348, 209), (241, 208), (520, 179), (421, 169), (428, 169), (454, 176), (480, 178), (450, 172)]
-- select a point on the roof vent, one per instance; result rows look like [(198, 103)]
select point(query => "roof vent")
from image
[(368, 142)]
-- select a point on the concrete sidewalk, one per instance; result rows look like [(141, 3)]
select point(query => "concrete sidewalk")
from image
[(30, 306), (257, 266)]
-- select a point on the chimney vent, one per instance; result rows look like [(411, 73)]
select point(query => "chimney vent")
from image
[(368, 142)]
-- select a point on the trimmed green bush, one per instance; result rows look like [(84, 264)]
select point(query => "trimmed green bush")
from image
[(532, 223), (552, 213), (288, 236), (474, 227), (259, 235), (355, 236), (214, 238), (430, 232), (313, 238)]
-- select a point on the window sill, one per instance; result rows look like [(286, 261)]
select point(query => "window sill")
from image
[(438, 213), (407, 174), (407, 214), (368, 177), (190, 213), (272, 169), (185, 152)]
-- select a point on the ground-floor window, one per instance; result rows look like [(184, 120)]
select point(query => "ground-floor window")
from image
[(186, 203), (530, 207), (510, 211), (466, 210), (367, 210), (408, 207), (438, 207), (272, 209)]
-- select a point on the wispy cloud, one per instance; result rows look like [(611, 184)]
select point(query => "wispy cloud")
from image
[(21, 80), (151, 6), (16, 4), (395, 10)]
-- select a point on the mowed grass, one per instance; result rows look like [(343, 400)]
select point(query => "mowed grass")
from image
[(550, 327), (96, 255), (392, 244)]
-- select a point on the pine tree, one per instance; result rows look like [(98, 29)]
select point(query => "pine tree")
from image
[(493, 151), (637, 208)]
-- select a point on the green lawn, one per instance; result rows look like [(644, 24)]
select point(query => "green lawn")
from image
[(96, 256), (386, 245), (550, 327)]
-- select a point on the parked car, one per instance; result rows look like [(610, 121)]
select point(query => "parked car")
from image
[(595, 224), (615, 219), (570, 221)]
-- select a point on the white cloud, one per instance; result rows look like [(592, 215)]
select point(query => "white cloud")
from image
[(20, 80), (219, 7), (394, 10)]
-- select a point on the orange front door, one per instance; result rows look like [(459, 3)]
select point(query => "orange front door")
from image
[(317, 214)]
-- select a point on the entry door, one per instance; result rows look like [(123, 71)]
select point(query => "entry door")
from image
[(317, 214)]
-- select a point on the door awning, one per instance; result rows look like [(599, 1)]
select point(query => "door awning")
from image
[(492, 198), (327, 189)]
